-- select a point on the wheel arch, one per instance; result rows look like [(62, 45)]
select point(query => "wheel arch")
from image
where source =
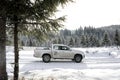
[(46, 54)]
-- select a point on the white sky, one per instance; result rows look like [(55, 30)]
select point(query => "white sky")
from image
[(95, 13)]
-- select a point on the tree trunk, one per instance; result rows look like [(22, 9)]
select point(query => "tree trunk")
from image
[(3, 73), (16, 50)]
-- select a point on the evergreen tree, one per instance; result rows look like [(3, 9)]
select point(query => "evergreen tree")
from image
[(106, 40), (66, 32), (96, 42), (79, 31), (86, 41), (117, 38), (22, 43), (32, 16), (55, 41), (71, 42), (76, 41), (93, 41), (59, 41), (83, 40), (30, 43)]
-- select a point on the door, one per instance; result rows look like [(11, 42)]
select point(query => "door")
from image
[(62, 52)]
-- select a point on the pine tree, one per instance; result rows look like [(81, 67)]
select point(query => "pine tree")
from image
[(93, 41), (79, 31), (55, 41), (33, 16), (86, 41), (83, 40), (71, 42), (59, 41), (106, 40), (76, 41), (117, 38)]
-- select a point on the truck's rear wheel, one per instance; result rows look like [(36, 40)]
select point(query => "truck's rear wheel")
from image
[(46, 58), (78, 58)]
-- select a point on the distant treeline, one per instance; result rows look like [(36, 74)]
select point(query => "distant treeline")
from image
[(81, 37), (90, 37)]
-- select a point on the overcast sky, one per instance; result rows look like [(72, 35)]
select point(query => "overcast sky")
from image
[(95, 13)]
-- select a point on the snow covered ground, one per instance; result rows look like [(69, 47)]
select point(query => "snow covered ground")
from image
[(99, 64)]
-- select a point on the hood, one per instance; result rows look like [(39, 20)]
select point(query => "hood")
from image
[(77, 51)]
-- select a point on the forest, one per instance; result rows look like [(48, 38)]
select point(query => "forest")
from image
[(82, 37)]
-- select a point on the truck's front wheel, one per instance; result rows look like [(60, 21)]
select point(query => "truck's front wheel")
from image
[(46, 58), (78, 58)]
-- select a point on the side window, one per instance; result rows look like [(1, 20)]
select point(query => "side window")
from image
[(60, 48), (56, 47), (63, 48)]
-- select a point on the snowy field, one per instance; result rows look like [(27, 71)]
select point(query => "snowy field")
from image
[(99, 64)]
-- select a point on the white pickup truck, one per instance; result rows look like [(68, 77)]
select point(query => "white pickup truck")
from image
[(58, 51)]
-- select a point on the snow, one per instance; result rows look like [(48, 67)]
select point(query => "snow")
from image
[(99, 64), (72, 74)]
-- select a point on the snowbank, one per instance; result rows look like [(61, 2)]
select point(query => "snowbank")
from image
[(71, 74)]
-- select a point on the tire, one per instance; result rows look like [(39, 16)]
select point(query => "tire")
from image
[(78, 58), (46, 58)]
